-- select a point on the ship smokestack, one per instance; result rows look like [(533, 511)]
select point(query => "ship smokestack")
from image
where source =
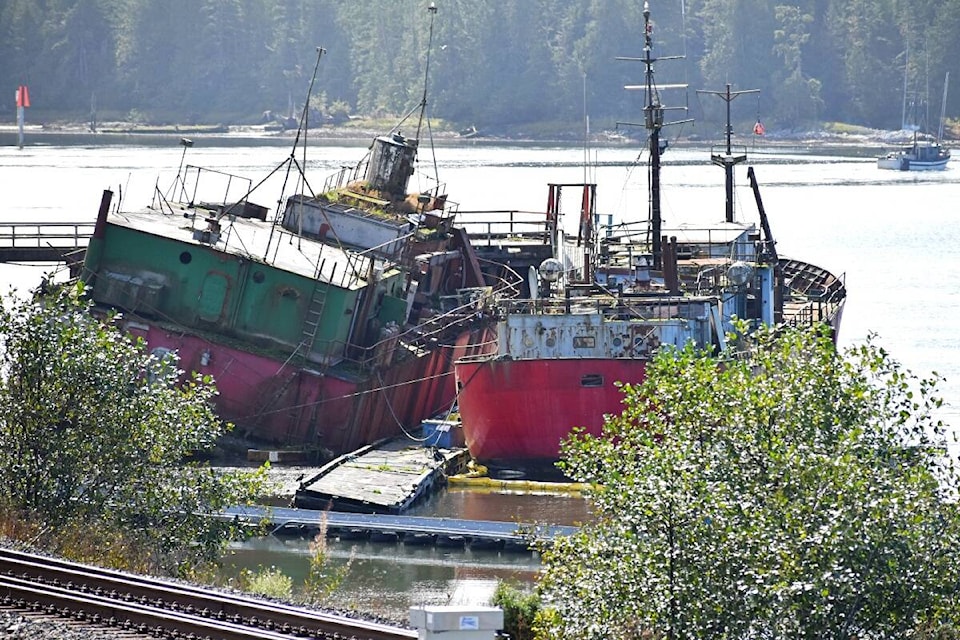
[(391, 164)]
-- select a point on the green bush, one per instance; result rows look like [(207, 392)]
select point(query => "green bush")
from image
[(520, 610), (76, 392), (270, 582)]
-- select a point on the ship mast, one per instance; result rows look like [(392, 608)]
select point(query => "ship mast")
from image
[(653, 122), (432, 10), (728, 160)]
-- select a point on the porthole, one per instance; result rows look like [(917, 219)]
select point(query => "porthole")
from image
[(185, 257), (258, 277)]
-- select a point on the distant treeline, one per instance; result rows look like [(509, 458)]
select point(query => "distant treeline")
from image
[(493, 64)]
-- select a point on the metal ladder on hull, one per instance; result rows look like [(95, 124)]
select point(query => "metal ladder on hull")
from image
[(308, 333), (298, 359)]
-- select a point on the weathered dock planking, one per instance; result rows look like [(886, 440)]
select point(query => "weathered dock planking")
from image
[(386, 477)]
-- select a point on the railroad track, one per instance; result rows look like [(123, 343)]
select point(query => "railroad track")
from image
[(138, 605)]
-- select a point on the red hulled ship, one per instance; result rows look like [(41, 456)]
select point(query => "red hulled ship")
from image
[(595, 308)]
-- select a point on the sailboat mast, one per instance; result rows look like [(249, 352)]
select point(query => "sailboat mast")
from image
[(906, 73), (943, 106)]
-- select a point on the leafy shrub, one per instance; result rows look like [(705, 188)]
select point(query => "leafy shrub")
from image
[(270, 582), (520, 610)]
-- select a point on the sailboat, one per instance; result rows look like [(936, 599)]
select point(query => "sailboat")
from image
[(920, 155)]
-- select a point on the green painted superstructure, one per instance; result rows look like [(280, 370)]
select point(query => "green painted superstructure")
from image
[(197, 286)]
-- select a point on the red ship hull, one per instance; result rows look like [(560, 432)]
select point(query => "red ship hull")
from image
[(278, 403), (516, 412)]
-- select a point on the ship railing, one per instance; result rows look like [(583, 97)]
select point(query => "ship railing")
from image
[(341, 270), (358, 261), (819, 305), (391, 249), (348, 174), (43, 235), (343, 176), (625, 246), (489, 227), (442, 210), (653, 307), (434, 330), (430, 333), (813, 312), (508, 285), (233, 188)]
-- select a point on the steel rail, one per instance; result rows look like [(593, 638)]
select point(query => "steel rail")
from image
[(107, 611), (188, 599)]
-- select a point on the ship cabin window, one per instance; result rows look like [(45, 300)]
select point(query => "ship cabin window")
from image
[(584, 342), (591, 381), (185, 257), (258, 276)]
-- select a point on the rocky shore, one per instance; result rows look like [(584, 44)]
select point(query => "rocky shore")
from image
[(360, 132)]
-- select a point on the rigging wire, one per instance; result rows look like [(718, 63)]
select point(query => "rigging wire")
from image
[(393, 414), (355, 394), (291, 161)]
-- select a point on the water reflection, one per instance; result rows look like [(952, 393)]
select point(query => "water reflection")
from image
[(506, 506), (387, 578)]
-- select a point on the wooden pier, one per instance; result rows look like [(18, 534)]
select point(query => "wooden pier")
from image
[(386, 477)]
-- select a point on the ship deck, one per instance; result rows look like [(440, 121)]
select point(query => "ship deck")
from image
[(254, 240)]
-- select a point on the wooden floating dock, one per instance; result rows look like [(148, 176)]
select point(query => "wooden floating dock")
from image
[(386, 477), (409, 530)]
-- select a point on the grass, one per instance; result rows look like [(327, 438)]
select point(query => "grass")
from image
[(270, 582), (846, 128), (94, 543), (322, 578), (86, 541)]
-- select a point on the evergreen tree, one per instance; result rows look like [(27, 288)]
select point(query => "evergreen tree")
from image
[(494, 62)]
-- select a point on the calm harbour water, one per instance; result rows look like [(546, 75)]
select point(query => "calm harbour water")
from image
[(894, 235)]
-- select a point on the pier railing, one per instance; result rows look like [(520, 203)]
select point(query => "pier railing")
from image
[(42, 241)]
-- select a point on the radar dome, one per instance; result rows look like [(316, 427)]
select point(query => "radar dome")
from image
[(740, 273), (550, 269)]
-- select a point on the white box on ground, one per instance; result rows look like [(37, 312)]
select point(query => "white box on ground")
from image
[(456, 623)]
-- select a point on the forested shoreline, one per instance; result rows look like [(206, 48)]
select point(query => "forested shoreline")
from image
[(518, 65)]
